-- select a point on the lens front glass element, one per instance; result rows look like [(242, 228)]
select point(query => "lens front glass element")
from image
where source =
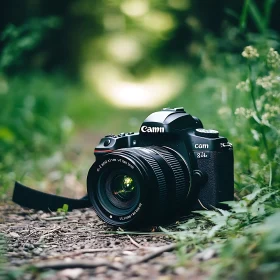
[(118, 191), (123, 187)]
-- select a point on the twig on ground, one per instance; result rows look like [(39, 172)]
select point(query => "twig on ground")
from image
[(90, 251), (153, 255), (118, 232), (47, 233), (131, 239), (90, 264), (54, 218), (134, 242), (75, 264)]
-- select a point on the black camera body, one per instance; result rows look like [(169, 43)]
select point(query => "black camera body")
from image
[(172, 166)]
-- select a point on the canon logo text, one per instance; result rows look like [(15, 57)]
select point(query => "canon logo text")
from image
[(154, 129)]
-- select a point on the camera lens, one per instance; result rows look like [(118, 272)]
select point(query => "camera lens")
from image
[(121, 190), (123, 187), (141, 185), (117, 191)]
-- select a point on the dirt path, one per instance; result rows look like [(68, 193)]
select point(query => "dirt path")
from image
[(80, 246)]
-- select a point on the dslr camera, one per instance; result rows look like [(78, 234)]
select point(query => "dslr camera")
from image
[(171, 167)]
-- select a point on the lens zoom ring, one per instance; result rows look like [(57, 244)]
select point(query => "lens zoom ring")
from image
[(174, 164), (157, 171)]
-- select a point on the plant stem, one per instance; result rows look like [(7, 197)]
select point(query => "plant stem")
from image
[(244, 14), (267, 12), (252, 91), (257, 16)]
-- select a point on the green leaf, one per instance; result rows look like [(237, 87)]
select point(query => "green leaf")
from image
[(6, 135), (257, 16), (65, 208), (244, 15)]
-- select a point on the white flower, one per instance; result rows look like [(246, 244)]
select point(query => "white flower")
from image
[(224, 111), (273, 59), (265, 119), (250, 52), (255, 134), (247, 113), (244, 86), (260, 102), (268, 82)]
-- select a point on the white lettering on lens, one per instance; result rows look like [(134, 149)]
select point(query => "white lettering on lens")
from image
[(201, 146), (154, 129), (132, 214)]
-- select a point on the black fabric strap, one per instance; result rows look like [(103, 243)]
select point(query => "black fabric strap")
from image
[(34, 199)]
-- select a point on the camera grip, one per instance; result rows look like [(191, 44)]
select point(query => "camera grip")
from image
[(220, 184)]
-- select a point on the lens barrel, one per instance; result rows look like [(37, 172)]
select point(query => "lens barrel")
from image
[(139, 186)]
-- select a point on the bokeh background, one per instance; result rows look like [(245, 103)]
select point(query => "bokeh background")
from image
[(73, 71)]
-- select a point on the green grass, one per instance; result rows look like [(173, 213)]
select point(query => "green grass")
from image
[(245, 238)]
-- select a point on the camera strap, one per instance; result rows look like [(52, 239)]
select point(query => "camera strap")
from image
[(30, 198)]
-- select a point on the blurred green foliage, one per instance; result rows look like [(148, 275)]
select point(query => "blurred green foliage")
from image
[(20, 41), (105, 65), (33, 121)]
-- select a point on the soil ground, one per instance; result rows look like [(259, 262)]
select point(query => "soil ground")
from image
[(80, 246)]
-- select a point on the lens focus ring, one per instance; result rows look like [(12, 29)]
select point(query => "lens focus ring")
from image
[(162, 188), (180, 180)]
